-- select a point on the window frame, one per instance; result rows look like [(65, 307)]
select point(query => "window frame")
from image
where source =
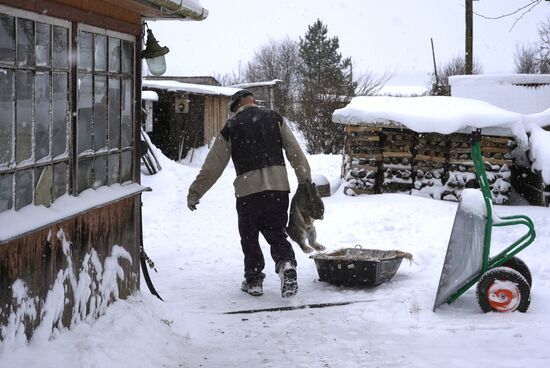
[(39, 167), (32, 164), (108, 74)]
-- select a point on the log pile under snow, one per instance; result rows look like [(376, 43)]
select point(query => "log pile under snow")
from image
[(382, 159), (421, 145)]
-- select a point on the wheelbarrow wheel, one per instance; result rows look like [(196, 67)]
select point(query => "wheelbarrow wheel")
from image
[(502, 289), (517, 264)]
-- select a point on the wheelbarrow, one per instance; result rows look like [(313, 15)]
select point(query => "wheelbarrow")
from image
[(504, 280)]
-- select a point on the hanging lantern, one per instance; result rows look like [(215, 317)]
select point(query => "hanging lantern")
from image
[(154, 55)]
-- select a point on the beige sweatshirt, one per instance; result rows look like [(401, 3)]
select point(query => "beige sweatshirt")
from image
[(268, 178)]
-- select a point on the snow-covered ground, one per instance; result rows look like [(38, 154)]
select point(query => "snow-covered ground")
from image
[(199, 262)]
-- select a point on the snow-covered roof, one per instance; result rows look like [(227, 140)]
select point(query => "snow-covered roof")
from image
[(501, 78), (175, 86), (523, 93), (149, 96), (438, 114), (185, 9), (257, 84)]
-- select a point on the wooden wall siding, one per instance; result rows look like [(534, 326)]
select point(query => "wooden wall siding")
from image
[(215, 115), (93, 12), (388, 160), (167, 125), (161, 117), (37, 259), (175, 131), (194, 123)]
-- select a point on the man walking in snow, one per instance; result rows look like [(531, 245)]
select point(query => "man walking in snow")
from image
[(254, 138)]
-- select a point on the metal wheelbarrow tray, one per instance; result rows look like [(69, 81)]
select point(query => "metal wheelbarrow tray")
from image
[(358, 267)]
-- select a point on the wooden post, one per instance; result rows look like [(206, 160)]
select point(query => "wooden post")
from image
[(469, 52)]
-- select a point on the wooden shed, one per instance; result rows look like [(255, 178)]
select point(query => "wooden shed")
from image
[(70, 193), (264, 92), (421, 146), (186, 115)]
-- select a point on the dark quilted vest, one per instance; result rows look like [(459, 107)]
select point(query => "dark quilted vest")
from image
[(255, 139)]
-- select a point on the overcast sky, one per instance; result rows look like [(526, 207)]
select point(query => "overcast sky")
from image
[(378, 35)]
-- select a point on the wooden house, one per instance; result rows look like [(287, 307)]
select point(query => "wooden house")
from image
[(421, 146), (70, 193), (186, 115)]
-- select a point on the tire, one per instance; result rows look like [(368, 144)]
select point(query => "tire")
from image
[(517, 264), (502, 289)]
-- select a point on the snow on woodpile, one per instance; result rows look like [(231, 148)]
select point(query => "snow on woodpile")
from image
[(539, 143), (389, 160), (428, 114)]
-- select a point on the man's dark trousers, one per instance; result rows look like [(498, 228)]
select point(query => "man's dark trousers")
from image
[(264, 212)]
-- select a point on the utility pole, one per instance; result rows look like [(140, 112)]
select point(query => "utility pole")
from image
[(469, 49)]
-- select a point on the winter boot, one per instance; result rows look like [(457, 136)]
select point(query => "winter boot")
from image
[(289, 280), (253, 288)]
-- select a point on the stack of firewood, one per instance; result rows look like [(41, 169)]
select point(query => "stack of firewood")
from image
[(498, 162), (397, 157), (362, 161), (430, 164), (389, 159)]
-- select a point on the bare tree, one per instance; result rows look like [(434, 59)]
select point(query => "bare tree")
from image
[(454, 67), (277, 60), (535, 58), (525, 60), (370, 84), (235, 77), (543, 52)]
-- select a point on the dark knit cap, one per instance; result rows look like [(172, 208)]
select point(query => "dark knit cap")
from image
[(236, 98)]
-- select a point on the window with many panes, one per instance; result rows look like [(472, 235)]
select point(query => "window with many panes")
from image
[(39, 161), (104, 139)]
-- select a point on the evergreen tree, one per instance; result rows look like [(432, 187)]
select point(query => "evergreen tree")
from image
[(327, 84)]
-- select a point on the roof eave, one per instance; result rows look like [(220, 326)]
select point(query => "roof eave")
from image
[(184, 9)]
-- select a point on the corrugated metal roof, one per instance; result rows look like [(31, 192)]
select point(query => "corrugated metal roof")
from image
[(501, 78)]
